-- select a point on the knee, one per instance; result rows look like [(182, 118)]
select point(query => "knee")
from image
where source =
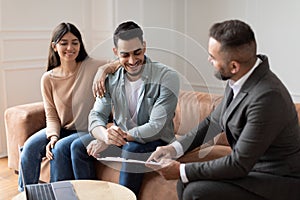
[(202, 190), (132, 147), (30, 150), (57, 147), (131, 150), (77, 147), (60, 150), (184, 191), (187, 193)]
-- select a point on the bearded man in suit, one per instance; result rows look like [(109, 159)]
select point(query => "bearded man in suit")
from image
[(260, 122)]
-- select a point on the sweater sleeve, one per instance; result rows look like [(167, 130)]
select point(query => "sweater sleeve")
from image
[(52, 120)]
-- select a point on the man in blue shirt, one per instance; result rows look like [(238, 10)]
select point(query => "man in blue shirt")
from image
[(142, 95)]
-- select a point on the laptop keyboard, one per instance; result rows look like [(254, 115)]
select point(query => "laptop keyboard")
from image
[(40, 192)]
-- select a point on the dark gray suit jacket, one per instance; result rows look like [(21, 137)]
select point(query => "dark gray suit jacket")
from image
[(261, 124)]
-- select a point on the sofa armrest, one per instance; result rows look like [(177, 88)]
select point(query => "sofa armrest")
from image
[(20, 123)]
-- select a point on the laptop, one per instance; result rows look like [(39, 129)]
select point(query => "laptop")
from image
[(50, 191), (62, 190)]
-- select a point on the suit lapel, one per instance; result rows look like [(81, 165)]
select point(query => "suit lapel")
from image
[(232, 107), (258, 73)]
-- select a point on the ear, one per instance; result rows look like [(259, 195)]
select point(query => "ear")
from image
[(235, 67), (53, 46), (115, 50)]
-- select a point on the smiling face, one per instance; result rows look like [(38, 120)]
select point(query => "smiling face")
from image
[(67, 48), (131, 54)]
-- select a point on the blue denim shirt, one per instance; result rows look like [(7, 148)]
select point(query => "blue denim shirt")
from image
[(156, 104)]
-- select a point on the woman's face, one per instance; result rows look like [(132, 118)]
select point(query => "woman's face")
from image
[(68, 47)]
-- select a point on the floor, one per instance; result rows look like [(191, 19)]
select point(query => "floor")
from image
[(8, 181)]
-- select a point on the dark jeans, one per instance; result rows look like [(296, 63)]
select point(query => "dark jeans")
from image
[(70, 158), (70, 147), (131, 175)]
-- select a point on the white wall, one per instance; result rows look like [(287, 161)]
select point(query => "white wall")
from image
[(176, 35), (277, 27), (25, 29)]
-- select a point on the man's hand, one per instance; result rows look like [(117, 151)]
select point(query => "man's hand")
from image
[(169, 169), (163, 152), (112, 135), (99, 79), (116, 136), (50, 146), (95, 147)]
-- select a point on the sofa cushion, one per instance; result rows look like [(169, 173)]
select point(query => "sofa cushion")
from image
[(192, 107)]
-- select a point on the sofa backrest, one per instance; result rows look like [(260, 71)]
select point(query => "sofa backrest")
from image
[(192, 107)]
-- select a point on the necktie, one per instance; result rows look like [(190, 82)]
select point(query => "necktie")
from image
[(230, 97)]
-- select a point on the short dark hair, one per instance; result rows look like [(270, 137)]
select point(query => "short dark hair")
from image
[(57, 34), (126, 31), (232, 33), (234, 36)]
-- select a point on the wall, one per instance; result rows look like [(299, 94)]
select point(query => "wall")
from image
[(277, 28), (25, 29), (176, 34)]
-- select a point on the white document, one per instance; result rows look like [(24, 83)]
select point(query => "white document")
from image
[(118, 159)]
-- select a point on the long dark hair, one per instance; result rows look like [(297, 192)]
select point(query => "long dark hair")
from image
[(57, 34)]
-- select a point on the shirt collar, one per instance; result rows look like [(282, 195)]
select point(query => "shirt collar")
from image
[(237, 85)]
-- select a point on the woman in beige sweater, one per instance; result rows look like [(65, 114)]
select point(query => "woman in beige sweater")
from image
[(67, 96)]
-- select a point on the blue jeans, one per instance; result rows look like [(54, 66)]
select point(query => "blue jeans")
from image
[(31, 155), (70, 158), (131, 175), (34, 150)]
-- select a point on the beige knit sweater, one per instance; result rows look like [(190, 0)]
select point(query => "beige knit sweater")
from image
[(68, 100)]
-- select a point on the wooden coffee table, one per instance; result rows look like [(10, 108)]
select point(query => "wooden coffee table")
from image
[(102, 190)]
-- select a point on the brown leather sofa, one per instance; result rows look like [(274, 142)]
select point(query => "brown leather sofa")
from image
[(24, 120)]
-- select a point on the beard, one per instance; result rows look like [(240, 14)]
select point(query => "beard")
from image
[(135, 74), (221, 76)]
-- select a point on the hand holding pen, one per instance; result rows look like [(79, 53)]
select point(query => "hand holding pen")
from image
[(117, 136)]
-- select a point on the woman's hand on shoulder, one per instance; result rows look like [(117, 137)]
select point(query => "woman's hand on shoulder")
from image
[(100, 76)]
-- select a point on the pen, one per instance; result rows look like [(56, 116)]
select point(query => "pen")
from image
[(115, 122)]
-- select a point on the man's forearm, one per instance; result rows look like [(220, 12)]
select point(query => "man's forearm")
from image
[(100, 133)]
